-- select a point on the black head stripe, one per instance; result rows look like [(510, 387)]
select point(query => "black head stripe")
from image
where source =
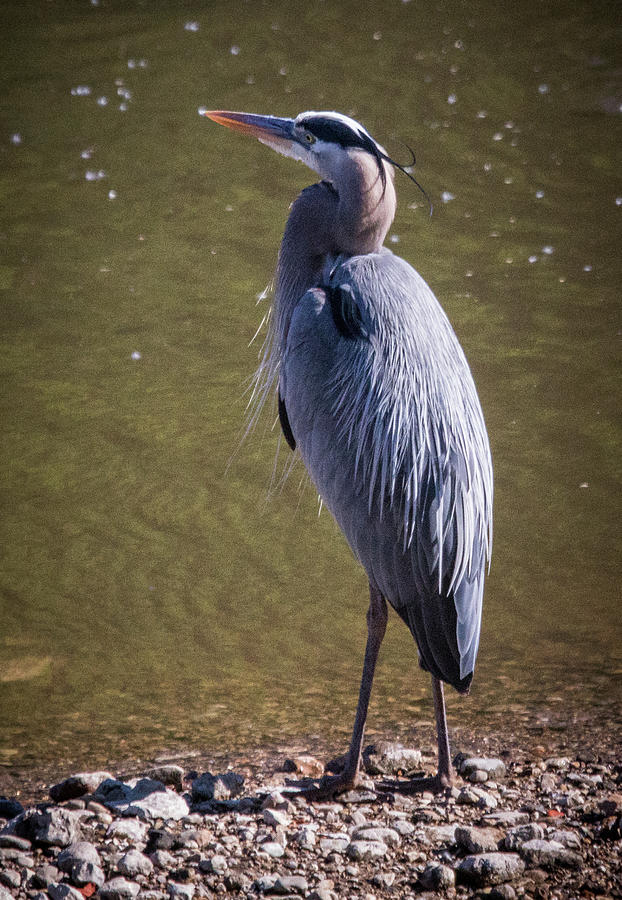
[(335, 132)]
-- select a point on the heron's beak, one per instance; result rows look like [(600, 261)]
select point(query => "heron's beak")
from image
[(271, 130)]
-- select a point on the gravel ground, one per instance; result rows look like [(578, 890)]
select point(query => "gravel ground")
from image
[(523, 824)]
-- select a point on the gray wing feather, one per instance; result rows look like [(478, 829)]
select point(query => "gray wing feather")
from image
[(391, 430)]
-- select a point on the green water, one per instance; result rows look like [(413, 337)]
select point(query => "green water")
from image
[(158, 588)]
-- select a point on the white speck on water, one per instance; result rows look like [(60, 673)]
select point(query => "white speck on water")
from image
[(123, 92), (142, 63), (497, 136), (548, 250), (584, 484), (458, 45), (539, 195), (202, 110), (86, 154), (250, 79), (131, 63), (561, 279), (228, 208), (234, 51), (136, 354), (82, 90), (508, 179), (487, 167), (16, 138), (618, 201), (587, 268), (394, 239), (191, 26), (112, 195), (454, 69), (494, 234), (533, 259), (482, 114), (377, 35), (92, 175), (447, 196), (543, 88), (102, 101), (123, 107), (468, 274), (509, 260), (509, 125), (452, 99)]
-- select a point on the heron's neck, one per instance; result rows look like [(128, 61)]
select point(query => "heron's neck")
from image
[(351, 216)]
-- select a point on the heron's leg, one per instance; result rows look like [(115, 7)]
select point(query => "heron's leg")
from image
[(376, 627), (442, 736)]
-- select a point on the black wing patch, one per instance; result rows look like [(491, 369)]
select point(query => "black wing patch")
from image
[(346, 313), (287, 428)]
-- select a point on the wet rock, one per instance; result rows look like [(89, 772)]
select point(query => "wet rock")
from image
[(488, 869), (490, 769), (118, 889), (437, 878), (520, 834), (237, 880), (78, 785), (134, 863), (548, 855), (477, 840), (611, 805), (44, 875), (5, 895), (388, 758), (366, 850), (218, 788)]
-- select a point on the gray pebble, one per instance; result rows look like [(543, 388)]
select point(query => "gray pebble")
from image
[(488, 869), (118, 889), (520, 834), (548, 854), (388, 758), (376, 833), (491, 768), (79, 851), (183, 891), (217, 787), (11, 878), (366, 850), (135, 863), (477, 840), (437, 878), (63, 892), (78, 785), (87, 873), (272, 848), (290, 884)]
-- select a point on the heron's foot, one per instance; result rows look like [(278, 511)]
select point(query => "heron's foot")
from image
[(441, 783), (332, 785)]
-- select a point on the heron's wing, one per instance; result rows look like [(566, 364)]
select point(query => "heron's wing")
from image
[(386, 417)]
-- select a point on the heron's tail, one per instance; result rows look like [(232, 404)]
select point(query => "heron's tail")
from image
[(433, 626)]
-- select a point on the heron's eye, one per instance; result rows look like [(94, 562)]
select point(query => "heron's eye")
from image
[(309, 138)]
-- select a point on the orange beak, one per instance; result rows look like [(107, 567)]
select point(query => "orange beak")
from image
[(271, 130)]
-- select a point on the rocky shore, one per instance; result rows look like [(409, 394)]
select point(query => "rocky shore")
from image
[(537, 827)]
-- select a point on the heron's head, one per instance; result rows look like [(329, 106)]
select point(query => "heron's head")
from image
[(324, 141)]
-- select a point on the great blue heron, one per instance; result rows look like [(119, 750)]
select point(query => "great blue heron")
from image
[(376, 394)]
